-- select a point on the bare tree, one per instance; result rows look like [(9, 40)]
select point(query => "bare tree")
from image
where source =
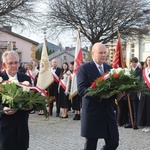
[(20, 13), (100, 20)]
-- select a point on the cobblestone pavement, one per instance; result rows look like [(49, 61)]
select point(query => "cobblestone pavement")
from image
[(55, 133)]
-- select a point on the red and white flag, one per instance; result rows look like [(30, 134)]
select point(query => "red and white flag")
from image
[(77, 62), (45, 77), (118, 57)]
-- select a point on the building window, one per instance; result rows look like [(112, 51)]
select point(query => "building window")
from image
[(132, 45), (147, 47), (132, 50), (20, 55), (65, 58)]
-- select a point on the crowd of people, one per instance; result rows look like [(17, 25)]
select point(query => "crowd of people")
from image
[(100, 118), (136, 116), (58, 90)]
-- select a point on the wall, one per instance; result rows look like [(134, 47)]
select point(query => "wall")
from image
[(22, 46)]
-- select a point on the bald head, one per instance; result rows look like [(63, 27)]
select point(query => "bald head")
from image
[(98, 46), (99, 53), (54, 63)]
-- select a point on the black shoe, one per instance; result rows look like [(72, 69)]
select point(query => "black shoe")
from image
[(75, 117), (135, 127), (78, 117), (40, 113), (65, 116), (128, 126)]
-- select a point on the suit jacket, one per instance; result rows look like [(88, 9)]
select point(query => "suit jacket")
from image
[(137, 73), (14, 132), (98, 119), (53, 89)]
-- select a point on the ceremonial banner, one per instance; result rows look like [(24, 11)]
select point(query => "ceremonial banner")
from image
[(45, 77), (118, 56), (77, 62)]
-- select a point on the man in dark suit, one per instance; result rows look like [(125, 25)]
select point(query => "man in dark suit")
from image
[(14, 132), (134, 96), (53, 89), (98, 119)]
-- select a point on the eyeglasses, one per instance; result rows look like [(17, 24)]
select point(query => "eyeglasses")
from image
[(13, 63)]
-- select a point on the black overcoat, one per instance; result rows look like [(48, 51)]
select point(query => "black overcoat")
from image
[(14, 132), (98, 119)]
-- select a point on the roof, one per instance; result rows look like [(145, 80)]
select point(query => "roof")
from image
[(58, 53), (19, 36), (50, 46), (68, 52)]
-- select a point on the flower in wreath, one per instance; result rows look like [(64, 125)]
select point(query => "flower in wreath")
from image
[(115, 81)]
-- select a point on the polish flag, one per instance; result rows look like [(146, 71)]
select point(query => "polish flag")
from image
[(77, 62)]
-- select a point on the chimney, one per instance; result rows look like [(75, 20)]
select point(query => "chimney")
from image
[(66, 48)]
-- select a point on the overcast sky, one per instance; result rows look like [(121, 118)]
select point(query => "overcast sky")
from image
[(67, 39)]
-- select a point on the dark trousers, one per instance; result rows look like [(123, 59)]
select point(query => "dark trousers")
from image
[(57, 105), (135, 110), (110, 144), (51, 108)]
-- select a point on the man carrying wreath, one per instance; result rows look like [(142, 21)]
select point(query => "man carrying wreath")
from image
[(14, 132), (98, 119)]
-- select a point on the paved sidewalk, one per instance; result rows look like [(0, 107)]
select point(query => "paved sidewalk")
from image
[(64, 134)]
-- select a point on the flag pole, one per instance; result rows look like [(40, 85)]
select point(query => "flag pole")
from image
[(130, 110), (48, 92)]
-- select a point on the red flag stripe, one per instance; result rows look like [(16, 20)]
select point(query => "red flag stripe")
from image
[(145, 78), (78, 60)]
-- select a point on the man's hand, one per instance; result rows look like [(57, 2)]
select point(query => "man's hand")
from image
[(8, 111)]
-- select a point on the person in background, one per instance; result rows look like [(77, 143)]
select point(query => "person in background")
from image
[(22, 68), (14, 130), (98, 119), (76, 100), (36, 64), (141, 64), (63, 90), (134, 98), (144, 103), (122, 111), (41, 112), (53, 88), (32, 71)]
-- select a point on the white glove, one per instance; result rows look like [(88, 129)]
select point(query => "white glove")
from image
[(66, 93)]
